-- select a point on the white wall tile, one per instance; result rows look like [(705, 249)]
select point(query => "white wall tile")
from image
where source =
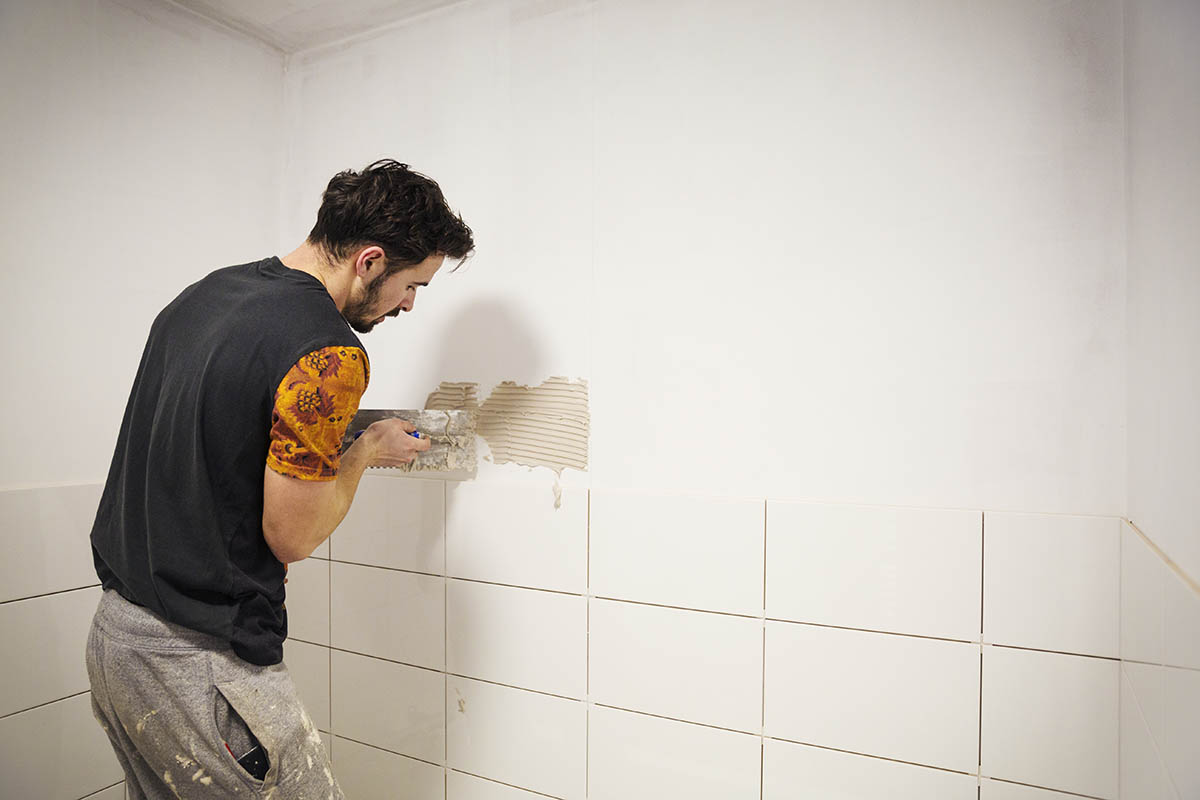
[(879, 694), (394, 522), (367, 772), (797, 772), (1143, 776), (633, 755), (545, 753), (44, 641), (56, 751), (396, 615), (1052, 582), (999, 790), (522, 637), (308, 664), (1181, 622), (1146, 687), (1181, 729), (690, 665), (460, 786), (886, 569), (513, 534), (389, 705), (1143, 576), (47, 546), (1051, 720), (678, 550), (307, 600)]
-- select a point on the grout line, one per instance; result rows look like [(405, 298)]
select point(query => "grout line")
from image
[(1121, 540), (380, 566), (103, 789), (762, 759), (869, 755), (979, 738), (1035, 786), (763, 696), (762, 742), (678, 608), (1056, 652), (384, 749), (49, 594), (1158, 664), (982, 575), (871, 630), (1178, 570), (449, 674), (510, 785), (43, 705), (465, 580), (677, 719)]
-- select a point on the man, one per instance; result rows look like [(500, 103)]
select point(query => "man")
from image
[(228, 466)]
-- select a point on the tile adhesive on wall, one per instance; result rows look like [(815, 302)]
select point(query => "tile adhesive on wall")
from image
[(536, 426)]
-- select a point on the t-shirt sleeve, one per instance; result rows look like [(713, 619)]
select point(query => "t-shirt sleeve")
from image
[(314, 404)]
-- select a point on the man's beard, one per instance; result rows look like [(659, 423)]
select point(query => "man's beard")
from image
[(357, 312)]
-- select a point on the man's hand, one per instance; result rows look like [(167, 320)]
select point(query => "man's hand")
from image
[(393, 442)]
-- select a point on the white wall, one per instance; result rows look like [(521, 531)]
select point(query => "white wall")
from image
[(1160, 577), (855, 251), (141, 150), (866, 254), (1162, 83)]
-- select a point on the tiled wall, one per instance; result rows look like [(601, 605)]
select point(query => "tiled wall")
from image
[(1160, 675), (470, 642), (50, 746)]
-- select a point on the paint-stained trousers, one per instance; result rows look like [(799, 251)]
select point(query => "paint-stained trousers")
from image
[(171, 699)]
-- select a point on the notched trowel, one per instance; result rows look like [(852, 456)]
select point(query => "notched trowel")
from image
[(451, 436)]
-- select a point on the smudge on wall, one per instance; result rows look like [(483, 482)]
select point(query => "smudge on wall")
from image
[(537, 426)]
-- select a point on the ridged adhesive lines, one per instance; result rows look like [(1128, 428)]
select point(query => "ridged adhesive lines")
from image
[(537, 426)]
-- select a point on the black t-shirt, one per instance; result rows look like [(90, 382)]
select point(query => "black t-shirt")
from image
[(179, 527)]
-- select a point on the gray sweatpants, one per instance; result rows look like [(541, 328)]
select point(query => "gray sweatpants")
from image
[(171, 698)]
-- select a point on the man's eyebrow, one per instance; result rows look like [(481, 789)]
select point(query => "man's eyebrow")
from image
[(420, 283)]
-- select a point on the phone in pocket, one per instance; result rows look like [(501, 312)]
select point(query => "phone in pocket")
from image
[(253, 760)]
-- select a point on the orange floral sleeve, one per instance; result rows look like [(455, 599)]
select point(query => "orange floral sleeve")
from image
[(313, 407)]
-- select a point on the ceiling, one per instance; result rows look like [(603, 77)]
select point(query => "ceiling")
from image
[(295, 25)]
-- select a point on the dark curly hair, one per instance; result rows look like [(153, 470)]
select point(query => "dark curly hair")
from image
[(389, 205)]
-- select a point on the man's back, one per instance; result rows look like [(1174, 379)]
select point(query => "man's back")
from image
[(179, 529)]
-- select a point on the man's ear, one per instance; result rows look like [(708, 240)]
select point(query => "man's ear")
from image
[(368, 263)]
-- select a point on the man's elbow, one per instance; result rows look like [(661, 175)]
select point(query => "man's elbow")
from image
[(285, 545)]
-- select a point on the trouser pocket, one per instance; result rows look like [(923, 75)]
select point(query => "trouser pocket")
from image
[(246, 732)]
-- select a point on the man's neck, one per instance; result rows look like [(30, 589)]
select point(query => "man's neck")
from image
[(313, 260)]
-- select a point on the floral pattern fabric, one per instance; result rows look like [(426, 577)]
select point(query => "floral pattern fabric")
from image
[(313, 407)]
